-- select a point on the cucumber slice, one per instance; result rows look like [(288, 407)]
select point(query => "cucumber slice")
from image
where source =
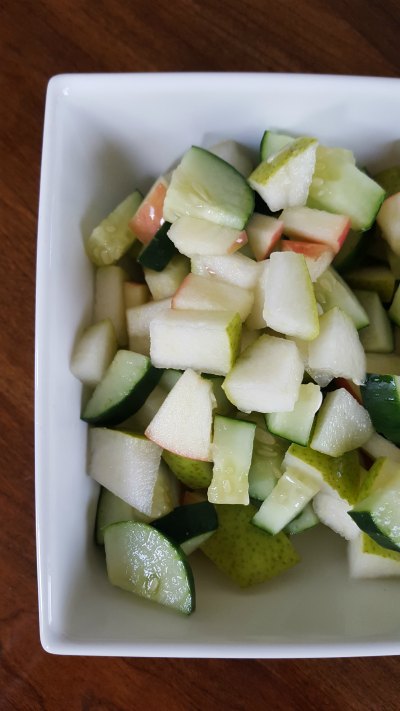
[(297, 424), (94, 352), (367, 559), (109, 300), (125, 463), (305, 520), (232, 451), (377, 337), (342, 424), (126, 385), (381, 397), (205, 186), (339, 476), (272, 142), (331, 290), (284, 179), (291, 494), (112, 237), (383, 363), (394, 311), (389, 180), (339, 186), (244, 552), (379, 515), (351, 251), (112, 509), (290, 306), (266, 464), (145, 562), (379, 279), (189, 526), (193, 473), (157, 253)]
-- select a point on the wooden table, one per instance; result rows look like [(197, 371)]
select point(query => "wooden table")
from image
[(40, 38)]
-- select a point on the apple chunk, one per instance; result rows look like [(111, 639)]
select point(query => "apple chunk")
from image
[(210, 294), (207, 341), (263, 232), (318, 256), (149, 216), (193, 235), (388, 220), (183, 423), (305, 223)]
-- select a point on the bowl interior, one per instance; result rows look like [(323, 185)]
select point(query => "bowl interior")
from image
[(105, 136)]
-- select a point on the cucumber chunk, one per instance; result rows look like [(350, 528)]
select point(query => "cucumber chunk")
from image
[(205, 186), (305, 520), (112, 237), (126, 385), (377, 337), (190, 525), (143, 561), (232, 450), (266, 464), (379, 515), (296, 425), (157, 253), (381, 397), (291, 494), (272, 142), (331, 290)]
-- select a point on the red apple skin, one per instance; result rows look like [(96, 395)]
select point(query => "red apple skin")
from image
[(335, 242), (149, 216), (313, 250), (348, 385)]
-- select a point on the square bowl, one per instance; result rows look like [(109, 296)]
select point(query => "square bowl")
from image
[(105, 135)]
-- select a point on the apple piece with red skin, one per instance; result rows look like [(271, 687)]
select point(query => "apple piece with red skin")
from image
[(148, 218), (318, 256), (209, 294), (263, 232), (311, 225), (388, 219)]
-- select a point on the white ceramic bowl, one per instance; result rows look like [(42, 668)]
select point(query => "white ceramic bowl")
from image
[(104, 135)]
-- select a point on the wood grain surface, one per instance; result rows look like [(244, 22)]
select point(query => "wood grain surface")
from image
[(40, 38)]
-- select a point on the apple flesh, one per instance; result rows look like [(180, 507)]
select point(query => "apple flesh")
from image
[(388, 220), (318, 257), (138, 322), (310, 225), (192, 235), (209, 294), (263, 233), (148, 218), (236, 269)]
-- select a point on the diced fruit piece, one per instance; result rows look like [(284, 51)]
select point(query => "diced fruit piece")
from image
[(297, 424), (334, 513), (164, 284), (235, 154), (337, 351), (291, 494), (305, 223), (394, 311), (266, 376), (189, 526), (318, 257), (167, 492), (244, 552), (306, 519), (389, 180), (379, 279), (383, 363), (388, 220), (353, 389), (272, 142), (135, 294), (193, 236), (208, 341), (148, 218), (112, 237), (145, 562), (378, 336), (141, 419), (256, 319), (127, 383), (340, 476), (207, 187), (236, 269), (93, 353), (342, 424), (379, 515), (266, 464), (377, 446), (290, 306), (351, 251), (112, 509), (284, 179), (183, 422), (109, 301), (381, 397), (232, 450), (367, 559), (157, 253), (339, 186), (191, 472), (263, 232), (381, 473), (331, 290), (126, 464), (138, 321), (209, 294)]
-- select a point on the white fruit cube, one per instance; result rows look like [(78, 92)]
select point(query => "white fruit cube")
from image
[(183, 423), (138, 321), (337, 351), (192, 235), (263, 232), (305, 223), (318, 257), (209, 294), (165, 283), (342, 424), (236, 269)]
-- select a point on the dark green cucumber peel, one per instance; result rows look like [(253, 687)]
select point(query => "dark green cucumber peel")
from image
[(381, 397), (186, 522), (366, 523), (159, 251)]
